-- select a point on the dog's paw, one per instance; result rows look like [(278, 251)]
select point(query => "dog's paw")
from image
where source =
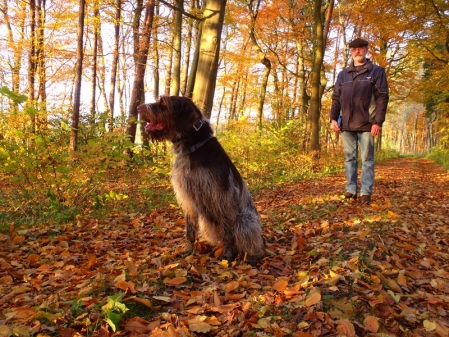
[(253, 260), (229, 255), (187, 251)]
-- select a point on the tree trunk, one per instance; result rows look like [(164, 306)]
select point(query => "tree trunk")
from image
[(262, 58), (317, 71), (176, 76), (141, 56), (94, 64), (78, 78), (32, 64), (115, 59), (15, 46), (206, 72), (40, 54)]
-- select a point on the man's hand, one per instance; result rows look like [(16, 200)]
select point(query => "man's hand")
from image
[(375, 129), (335, 126)]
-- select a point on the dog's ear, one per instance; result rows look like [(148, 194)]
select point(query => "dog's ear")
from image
[(166, 103)]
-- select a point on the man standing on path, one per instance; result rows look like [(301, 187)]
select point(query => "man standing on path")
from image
[(361, 96)]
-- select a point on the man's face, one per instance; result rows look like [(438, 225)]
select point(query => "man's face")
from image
[(359, 54)]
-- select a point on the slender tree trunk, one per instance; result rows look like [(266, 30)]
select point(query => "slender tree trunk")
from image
[(206, 72), (78, 77), (176, 78), (115, 62), (15, 46), (169, 75), (142, 48), (41, 64), (316, 91), (94, 64), (187, 53), (32, 64), (254, 11)]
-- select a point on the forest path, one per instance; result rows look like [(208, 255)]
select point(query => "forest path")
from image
[(333, 267)]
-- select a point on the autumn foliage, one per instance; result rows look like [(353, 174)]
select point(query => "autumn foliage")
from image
[(333, 267)]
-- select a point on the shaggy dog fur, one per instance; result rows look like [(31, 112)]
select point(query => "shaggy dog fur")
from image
[(214, 198)]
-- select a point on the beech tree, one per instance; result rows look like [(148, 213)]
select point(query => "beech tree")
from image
[(141, 46), (78, 78), (205, 65)]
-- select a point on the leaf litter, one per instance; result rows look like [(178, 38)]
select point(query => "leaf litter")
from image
[(333, 268)]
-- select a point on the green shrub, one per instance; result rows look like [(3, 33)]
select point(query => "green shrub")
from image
[(439, 155)]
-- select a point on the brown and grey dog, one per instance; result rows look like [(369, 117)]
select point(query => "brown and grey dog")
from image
[(214, 198)]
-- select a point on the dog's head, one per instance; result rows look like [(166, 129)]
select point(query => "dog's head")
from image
[(170, 118)]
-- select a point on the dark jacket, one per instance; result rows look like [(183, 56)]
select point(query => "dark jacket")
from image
[(361, 98)]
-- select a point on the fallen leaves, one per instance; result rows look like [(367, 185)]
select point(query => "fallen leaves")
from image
[(332, 267)]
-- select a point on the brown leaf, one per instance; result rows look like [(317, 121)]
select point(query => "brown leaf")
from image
[(175, 281), (313, 298), (280, 285), (198, 325), (231, 286), (18, 239), (346, 328), (402, 280), (119, 282), (371, 324)]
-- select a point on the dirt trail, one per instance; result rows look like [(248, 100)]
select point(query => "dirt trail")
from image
[(333, 268)]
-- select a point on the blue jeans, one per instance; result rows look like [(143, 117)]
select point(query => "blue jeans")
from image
[(351, 141)]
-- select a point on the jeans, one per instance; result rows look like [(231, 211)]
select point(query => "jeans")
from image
[(351, 141)]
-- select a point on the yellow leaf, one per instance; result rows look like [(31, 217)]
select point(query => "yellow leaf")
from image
[(371, 323), (429, 326), (264, 323), (313, 298), (212, 321), (392, 215), (5, 331), (280, 285)]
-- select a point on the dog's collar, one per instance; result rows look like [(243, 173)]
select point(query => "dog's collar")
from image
[(195, 147), (196, 126)]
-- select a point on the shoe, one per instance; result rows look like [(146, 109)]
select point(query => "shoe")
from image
[(365, 199), (349, 195)]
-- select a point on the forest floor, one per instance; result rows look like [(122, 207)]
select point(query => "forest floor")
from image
[(333, 268)]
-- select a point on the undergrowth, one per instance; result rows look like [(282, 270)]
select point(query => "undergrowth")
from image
[(440, 155), (43, 183)]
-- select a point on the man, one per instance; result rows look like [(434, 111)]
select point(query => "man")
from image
[(361, 96)]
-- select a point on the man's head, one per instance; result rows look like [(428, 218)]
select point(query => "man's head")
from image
[(359, 49)]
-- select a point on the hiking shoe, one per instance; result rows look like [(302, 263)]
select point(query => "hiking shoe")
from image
[(349, 195), (365, 199)]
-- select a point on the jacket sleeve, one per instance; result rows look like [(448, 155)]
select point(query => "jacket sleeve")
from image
[(381, 95), (336, 105)]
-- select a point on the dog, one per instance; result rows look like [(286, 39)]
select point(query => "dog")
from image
[(215, 200)]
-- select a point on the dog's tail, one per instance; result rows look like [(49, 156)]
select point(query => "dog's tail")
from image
[(248, 236)]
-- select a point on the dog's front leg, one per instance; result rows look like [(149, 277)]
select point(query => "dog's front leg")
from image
[(230, 252), (191, 234)]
